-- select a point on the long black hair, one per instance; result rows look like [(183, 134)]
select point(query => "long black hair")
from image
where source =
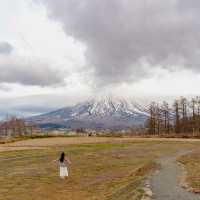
[(62, 157)]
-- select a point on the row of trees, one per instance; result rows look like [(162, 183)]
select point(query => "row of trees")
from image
[(15, 127), (181, 117)]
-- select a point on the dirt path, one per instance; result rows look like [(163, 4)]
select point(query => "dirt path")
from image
[(165, 183)]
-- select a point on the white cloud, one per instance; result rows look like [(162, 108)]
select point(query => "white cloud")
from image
[(89, 48)]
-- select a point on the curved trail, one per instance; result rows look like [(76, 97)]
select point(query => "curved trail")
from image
[(165, 184)]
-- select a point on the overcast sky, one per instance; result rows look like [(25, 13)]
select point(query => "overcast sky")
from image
[(57, 53)]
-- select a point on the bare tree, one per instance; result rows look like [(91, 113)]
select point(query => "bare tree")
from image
[(166, 113)]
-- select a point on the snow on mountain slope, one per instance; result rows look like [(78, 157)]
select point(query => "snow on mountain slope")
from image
[(100, 113)]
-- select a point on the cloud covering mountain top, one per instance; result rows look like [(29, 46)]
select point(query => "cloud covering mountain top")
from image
[(126, 39), (80, 49)]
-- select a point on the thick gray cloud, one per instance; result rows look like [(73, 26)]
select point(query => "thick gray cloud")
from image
[(33, 73), (122, 35), (5, 48)]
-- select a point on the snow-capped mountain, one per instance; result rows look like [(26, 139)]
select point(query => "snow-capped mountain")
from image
[(103, 113)]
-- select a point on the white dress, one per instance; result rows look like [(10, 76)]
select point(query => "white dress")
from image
[(63, 170)]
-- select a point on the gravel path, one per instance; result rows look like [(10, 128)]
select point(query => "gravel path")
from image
[(165, 183)]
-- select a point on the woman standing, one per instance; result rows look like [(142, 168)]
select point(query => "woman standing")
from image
[(63, 161)]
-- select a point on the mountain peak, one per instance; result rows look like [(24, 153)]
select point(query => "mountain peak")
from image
[(106, 112)]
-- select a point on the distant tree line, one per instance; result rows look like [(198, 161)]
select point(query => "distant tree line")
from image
[(15, 127), (181, 117)]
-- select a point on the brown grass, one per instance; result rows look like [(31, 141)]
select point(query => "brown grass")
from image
[(191, 164), (63, 141), (110, 169)]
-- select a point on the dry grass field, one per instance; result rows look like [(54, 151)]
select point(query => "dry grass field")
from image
[(102, 168), (192, 166)]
